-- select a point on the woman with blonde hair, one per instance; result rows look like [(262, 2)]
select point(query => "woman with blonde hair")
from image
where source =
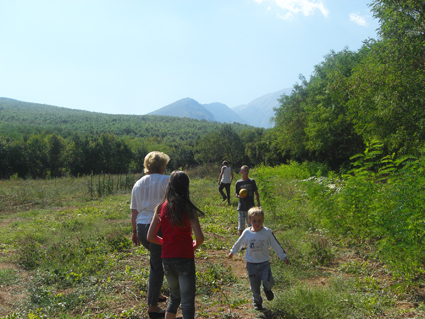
[(147, 193)]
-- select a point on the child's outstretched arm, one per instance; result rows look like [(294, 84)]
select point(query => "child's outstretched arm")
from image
[(153, 230), (238, 245), (199, 236), (278, 248)]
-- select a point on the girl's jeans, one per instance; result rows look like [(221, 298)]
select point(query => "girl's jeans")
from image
[(180, 274), (258, 273)]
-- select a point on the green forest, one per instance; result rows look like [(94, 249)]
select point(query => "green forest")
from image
[(352, 99)]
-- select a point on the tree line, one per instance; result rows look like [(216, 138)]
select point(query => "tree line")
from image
[(43, 155)]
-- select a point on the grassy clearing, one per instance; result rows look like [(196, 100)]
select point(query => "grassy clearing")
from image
[(76, 260)]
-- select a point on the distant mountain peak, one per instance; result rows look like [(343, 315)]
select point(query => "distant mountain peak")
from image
[(257, 113), (223, 113), (186, 107)]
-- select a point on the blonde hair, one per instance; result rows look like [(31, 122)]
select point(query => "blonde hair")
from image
[(155, 161), (254, 211)]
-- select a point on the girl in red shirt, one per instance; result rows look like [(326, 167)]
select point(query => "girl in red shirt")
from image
[(178, 217)]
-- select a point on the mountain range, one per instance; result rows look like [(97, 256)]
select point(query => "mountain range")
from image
[(256, 113)]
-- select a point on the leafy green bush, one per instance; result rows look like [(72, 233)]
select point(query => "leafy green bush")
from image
[(382, 201)]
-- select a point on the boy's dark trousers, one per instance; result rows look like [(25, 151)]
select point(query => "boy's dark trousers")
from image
[(259, 273), (227, 187)]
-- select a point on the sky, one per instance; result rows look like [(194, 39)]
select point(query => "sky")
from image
[(136, 56)]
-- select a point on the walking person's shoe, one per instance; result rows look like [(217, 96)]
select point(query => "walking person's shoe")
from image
[(269, 294), (258, 307), (224, 198), (157, 315)]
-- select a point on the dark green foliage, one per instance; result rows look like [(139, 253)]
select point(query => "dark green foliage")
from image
[(389, 87), (314, 123), (223, 144), (290, 120)]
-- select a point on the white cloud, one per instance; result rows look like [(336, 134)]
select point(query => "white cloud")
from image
[(291, 8), (358, 19)]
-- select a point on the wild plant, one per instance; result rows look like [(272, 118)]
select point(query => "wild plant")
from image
[(381, 200)]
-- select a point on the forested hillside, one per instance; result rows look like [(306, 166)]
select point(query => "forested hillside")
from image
[(19, 118), (42, 141)]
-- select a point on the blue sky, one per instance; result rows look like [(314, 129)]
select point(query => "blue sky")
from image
[(136, 56)]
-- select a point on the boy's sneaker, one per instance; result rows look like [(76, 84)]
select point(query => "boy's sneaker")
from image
[(258, 307), (269, 294)]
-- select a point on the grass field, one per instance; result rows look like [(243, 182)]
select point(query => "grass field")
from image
[(65, 252)]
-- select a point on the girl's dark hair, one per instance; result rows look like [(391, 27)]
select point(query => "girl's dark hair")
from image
[(178, 201)]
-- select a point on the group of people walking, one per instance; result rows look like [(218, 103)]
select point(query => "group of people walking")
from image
[(163, 219)]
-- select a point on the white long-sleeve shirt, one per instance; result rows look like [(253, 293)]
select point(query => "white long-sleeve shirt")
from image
[(258, 244)]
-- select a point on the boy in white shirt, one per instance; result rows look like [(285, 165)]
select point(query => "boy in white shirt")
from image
[(224, 181), (258, 239)]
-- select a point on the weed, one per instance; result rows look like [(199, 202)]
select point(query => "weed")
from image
[(213, 277), (30, 253), (7, 277), (140, 278), (116, 241), (354, 267), (321, 252)]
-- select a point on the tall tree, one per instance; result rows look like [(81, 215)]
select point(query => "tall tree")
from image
[(388, 87), (330, 131), (291, 121), (55, 153), (4, 158), (219, 145), (37, 156)]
